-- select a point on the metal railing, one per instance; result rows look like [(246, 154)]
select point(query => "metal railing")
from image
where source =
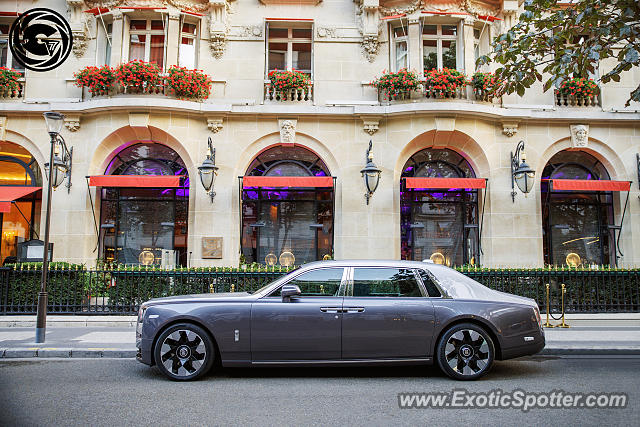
[(113, 291)]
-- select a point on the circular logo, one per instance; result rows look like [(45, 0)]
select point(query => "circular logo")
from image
[(40, 39), (466, 351), (146, 257), (183, 352)]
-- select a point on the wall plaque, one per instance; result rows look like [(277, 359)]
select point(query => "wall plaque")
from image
[(212, 247)]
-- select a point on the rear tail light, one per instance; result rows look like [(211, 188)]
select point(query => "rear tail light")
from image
[(536, 310)]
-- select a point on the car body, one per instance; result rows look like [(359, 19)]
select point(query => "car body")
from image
[(348, 312)]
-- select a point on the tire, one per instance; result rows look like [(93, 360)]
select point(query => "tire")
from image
[(184, 352), (465, 352)]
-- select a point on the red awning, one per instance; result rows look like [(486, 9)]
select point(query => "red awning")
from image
[(9, 194), (287, 181), (445, 183), (588, 185), (149, 181)]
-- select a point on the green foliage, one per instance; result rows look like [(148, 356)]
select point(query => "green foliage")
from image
[(99, 80), (446, 80), (546, 41), (287, 80), (9, 79), (395, 84)]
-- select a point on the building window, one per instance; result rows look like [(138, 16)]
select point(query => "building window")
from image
[(439, 224), (22, 220), (108, 44), (6, 58), (188, 45), (400, 47), (280, 222), (145, 225), (440, 47), (289, 48), (576, 225), (147, 40)]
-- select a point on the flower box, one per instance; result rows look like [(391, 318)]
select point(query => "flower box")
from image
[(288, 86), (578, 92), (445, 83), (398, 85), (484, 86), (98, 80), (10, 84)]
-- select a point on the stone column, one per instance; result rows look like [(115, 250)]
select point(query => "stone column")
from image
[(467, 43), (173, 38), (116, 38), (415, 40)]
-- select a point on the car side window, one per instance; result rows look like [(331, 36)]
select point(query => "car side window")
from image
[(385, 282), (427, 281), (324, 282)]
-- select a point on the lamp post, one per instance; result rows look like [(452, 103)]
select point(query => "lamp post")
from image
[(371, 174), (57, 169), (521, 173), (208, 171)]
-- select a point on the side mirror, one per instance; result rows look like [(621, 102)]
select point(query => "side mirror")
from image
[(289, 291)]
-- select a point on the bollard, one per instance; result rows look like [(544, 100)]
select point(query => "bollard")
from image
[(547, 324), (233, 288), (563, 324), (211, 290)]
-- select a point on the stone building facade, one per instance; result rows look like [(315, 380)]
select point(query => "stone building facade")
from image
[(325, 132)]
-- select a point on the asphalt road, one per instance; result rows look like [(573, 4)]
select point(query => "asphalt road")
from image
[(125, 392)]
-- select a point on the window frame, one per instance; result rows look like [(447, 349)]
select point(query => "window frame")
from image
[(5, 38), (349, 290), (186, 19), (393, 45), (290, 40), (341, 289), (439, 38), (148, 32)]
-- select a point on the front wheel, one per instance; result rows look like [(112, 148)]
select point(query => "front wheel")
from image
[(184, 352), (465, 352)]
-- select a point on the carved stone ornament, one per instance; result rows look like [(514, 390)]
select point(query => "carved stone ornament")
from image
[(217, 44), (370, 47), (324, 32), (214, 124), (250, 31), (78, 27), (3, 127), (579, 136), (370, 26), (72, 123), (509, 128), (190, 5), (287, 131), (370, 124)]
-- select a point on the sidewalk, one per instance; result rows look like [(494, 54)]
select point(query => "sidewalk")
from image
[(114, 336)]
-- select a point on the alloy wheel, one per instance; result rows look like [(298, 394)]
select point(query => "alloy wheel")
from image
[(467, 352), (183, 353)]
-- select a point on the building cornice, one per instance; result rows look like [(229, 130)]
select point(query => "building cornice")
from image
[(457, 109)]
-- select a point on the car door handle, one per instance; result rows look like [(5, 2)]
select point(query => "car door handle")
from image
[(353, 309), (330, 309)]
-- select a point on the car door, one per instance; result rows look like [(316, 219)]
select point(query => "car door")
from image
[(386, 314), (307, 327)]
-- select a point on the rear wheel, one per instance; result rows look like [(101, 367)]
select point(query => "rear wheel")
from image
[(465, 352), (184, 352)]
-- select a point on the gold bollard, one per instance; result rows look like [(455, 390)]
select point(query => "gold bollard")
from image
[(211, 290), (563, 324), (547, 324), (233, 288)]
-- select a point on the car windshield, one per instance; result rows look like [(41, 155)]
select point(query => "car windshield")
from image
[(257, 291)]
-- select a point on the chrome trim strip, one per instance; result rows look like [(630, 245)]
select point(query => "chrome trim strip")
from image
[(349, 361)]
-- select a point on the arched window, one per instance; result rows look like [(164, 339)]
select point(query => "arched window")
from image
[(290, 223), (20, 221), (440, 224), (145, 225), (577, 226)]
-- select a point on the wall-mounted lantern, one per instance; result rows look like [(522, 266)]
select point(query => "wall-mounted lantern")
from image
[(521, 174), (208, 171), (371, 174)]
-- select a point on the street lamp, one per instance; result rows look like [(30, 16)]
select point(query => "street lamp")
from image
[(61, 168), (521, 173), (371, 174), (208, 171)]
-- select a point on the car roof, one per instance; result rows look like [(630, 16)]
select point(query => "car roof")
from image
[(366, 263)]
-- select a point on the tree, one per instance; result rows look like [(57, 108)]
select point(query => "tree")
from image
[(546, 41)]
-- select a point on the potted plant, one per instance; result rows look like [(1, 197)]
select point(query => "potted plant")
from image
[(484, 86), (443, 83), (9, 82), (99, 80), (289, 85), (139, 76), (398, 85), (189, 84), (578, 91)]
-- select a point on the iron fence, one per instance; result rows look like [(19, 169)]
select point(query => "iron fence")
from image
[(79, 291)]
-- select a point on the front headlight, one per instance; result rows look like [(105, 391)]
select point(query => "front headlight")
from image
[(141, 311)]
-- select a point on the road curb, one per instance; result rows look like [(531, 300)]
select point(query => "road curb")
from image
[(590, 351), (49, 353)]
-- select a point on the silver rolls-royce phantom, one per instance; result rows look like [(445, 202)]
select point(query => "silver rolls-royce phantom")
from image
[(343, 313)]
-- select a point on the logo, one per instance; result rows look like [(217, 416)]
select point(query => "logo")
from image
[(40, 39)]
